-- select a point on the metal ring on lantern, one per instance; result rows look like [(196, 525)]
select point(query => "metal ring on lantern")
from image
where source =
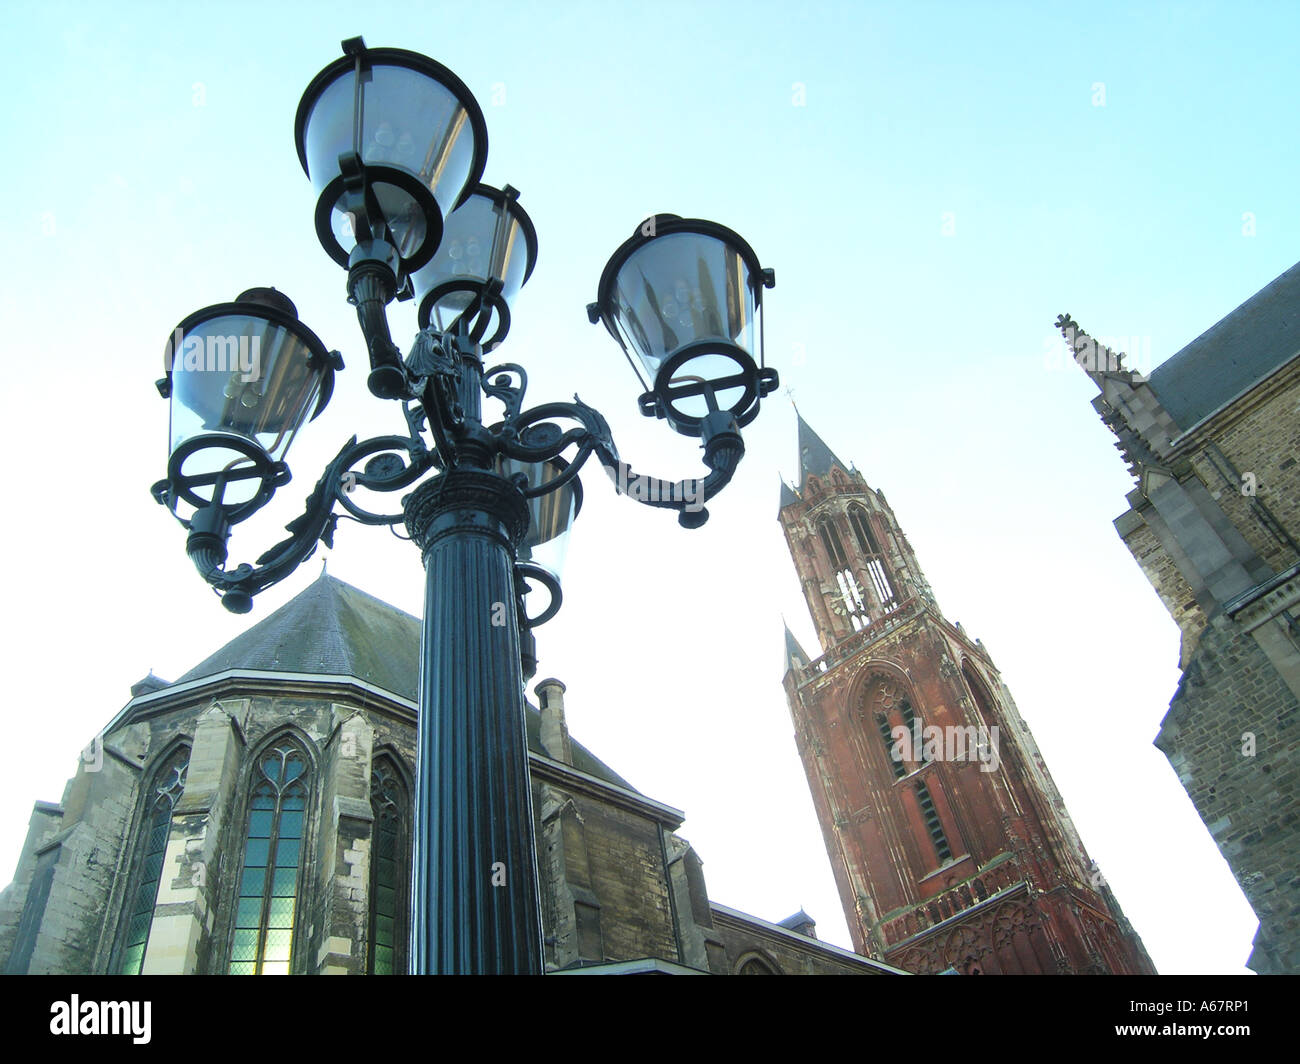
[(659, 401), (492, 300), (273, 474), (381, 175)]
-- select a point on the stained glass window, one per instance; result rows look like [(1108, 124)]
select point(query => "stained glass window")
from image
[(164, 790), (268, 882), (389, 869)]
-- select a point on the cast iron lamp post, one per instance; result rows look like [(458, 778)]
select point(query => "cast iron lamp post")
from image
[(395, 145)]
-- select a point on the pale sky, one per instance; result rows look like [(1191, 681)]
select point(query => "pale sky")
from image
[(933, 184)]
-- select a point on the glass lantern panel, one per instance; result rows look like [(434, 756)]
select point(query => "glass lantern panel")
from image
[(244, 377), (679, 288), (409, 121), (481, 240)]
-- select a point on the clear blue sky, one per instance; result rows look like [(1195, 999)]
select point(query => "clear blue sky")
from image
[(933, 184)]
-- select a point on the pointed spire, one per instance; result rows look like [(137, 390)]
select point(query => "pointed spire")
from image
[(787, 494), (814, 456), (795, 658)]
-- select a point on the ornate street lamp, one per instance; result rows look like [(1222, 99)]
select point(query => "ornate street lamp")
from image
[(395, 146)]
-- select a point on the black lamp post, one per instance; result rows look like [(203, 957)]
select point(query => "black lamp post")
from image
[(395, 145)]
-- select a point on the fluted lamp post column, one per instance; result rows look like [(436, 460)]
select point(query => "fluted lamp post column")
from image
[(395, 145)]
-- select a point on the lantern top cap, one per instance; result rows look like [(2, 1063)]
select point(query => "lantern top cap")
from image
[(355, 51), (269, 297), (658, 225)]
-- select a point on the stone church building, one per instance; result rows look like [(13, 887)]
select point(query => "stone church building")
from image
[(1212, 439), (254, 817), (951, 846)]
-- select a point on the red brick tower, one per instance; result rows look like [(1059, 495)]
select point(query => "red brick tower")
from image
[(951, 846)]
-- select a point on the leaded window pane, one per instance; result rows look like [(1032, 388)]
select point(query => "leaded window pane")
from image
[(248, 913), (280, 913), (257, 852), (244, 947), (278, 943)]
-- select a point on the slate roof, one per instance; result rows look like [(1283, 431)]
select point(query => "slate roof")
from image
[(331, 628), (814, 456), (787, 494), (794, 653), (1227, 359), (335, 629), (799, 919)]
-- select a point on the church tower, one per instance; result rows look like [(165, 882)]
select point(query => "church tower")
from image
[(950, 844)]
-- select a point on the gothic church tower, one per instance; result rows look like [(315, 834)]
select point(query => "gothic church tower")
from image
[(950, 844)]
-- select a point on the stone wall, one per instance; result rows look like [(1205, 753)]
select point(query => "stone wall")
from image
[(1259, 437), (1231, 734), (1170, 584)]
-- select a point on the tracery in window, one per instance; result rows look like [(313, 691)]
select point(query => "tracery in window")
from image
[(165, 789), (389, 869), (266, 906), (900, 729), (870, 548), (852, 596), (831, 541)]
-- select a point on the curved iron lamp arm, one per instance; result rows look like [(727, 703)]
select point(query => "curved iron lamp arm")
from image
[(206, 545), (531, 436)]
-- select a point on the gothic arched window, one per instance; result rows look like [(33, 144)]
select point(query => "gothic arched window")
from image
[(831, 541), (901, 730), (267, 903), (853, 603), (870, 547), (903, 737), (389, 870), (165, 788)]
